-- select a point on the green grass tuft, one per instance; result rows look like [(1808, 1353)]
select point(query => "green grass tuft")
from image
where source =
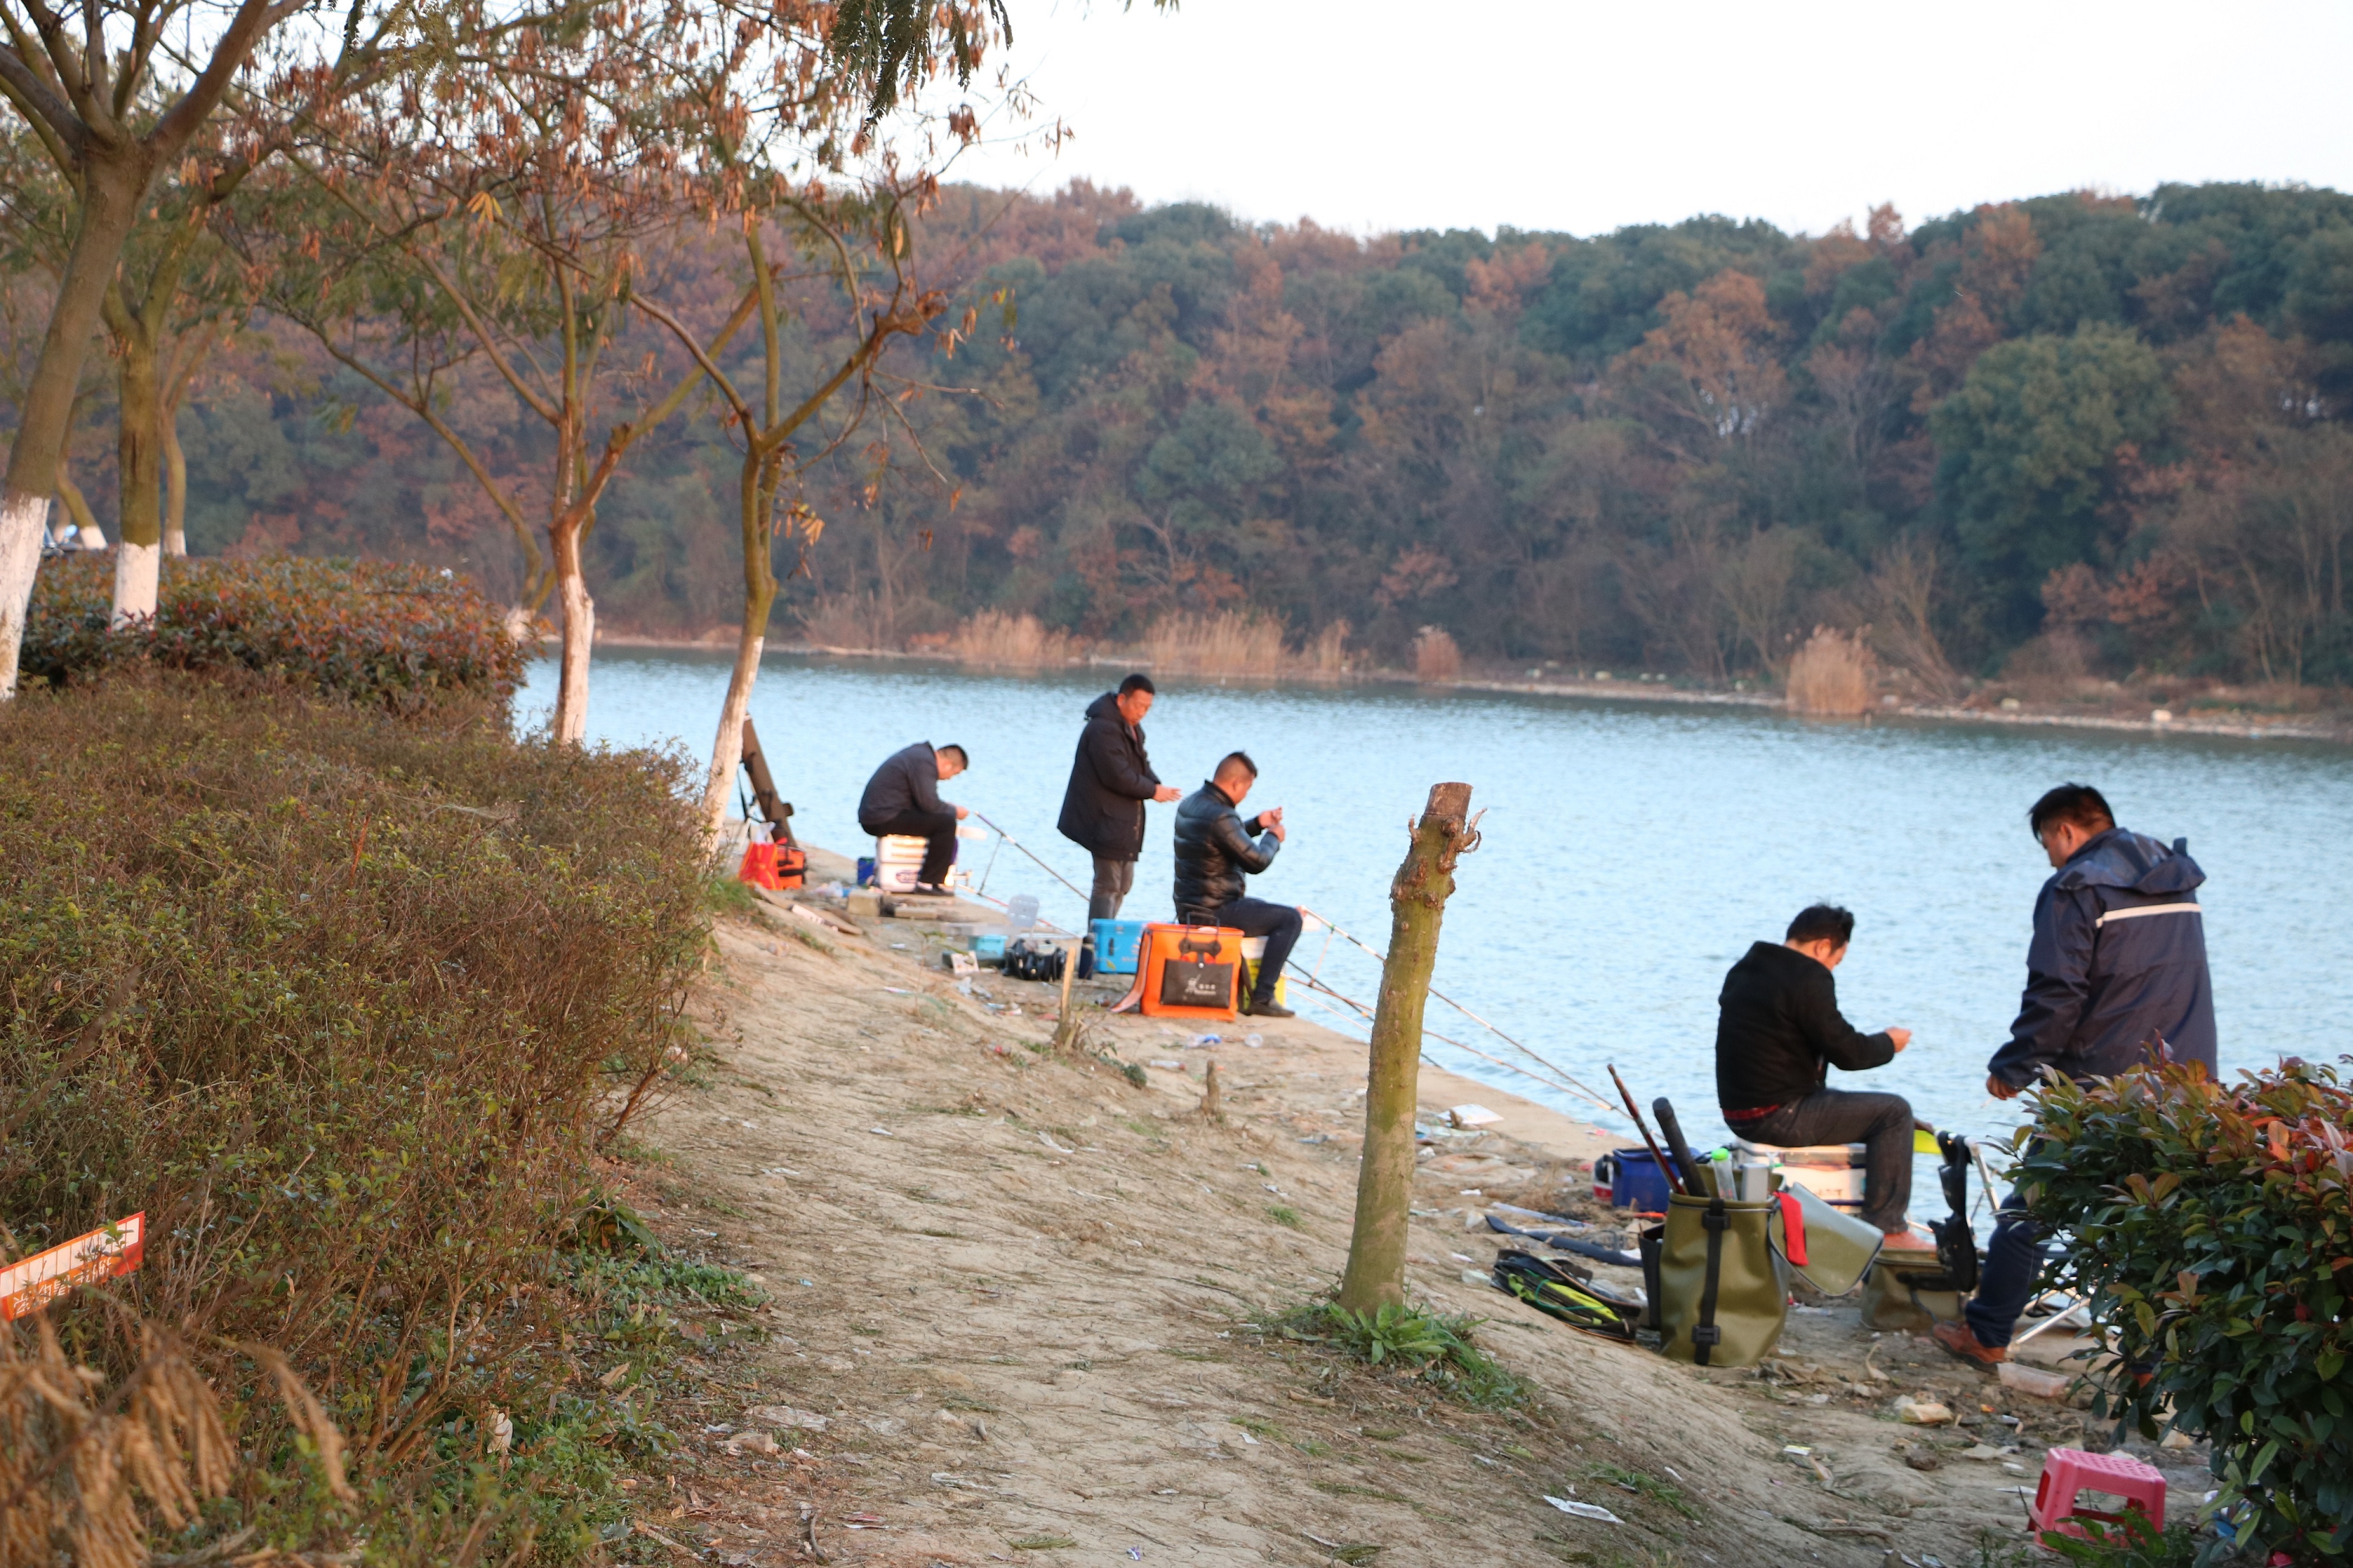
[(1434, 1347)]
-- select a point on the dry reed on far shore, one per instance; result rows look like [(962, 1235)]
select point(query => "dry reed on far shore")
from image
[(1010, 642), (1235, 642), (1436, 659), (1327, 657), (1831, 674), (846, 620)]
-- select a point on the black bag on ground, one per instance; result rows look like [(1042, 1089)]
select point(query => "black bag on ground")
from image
[(1028, 960), (1563, 1291)]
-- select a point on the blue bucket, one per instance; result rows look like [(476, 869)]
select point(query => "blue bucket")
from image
[(1630, 1179)]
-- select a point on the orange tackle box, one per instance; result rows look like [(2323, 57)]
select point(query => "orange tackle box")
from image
[(1187, 971)]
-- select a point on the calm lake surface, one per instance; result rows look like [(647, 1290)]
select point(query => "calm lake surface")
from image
[(1632, 853)]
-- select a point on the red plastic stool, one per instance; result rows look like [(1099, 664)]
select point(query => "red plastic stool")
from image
[(2068, 1472)]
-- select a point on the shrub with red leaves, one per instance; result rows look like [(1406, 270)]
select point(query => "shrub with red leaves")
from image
[(403, 635), (2211, 1228)]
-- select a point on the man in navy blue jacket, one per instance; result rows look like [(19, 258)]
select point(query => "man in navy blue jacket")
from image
[(2116, 977)]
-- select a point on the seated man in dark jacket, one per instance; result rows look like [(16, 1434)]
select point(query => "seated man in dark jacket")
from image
[(1215, 853), (1777, 1037), (2116, 977), (903, 797)]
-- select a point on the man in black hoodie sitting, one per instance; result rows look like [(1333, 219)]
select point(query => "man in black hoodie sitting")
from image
[(1777, 1037)]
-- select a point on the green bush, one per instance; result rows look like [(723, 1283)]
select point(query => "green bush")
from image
[(344, 1003), (2212, 1230), (375, 631)]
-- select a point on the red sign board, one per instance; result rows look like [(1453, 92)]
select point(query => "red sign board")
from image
[(108, 1254)]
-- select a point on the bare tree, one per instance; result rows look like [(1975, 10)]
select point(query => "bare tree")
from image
[(1445, 832)]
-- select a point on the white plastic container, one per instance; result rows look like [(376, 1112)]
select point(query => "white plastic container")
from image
[(898, 861)]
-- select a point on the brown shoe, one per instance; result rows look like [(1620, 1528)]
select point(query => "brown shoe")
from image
[(1962, 1340)]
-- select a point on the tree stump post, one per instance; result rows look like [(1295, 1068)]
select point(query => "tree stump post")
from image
[(1375, 1272)]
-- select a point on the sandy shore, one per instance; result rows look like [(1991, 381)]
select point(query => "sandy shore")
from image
[(1029, 1301)]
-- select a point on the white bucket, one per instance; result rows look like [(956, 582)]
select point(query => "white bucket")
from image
[(898, 861), (1842, 1189)]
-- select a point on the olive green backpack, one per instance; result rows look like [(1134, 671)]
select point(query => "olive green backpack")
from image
[(1724, 1269)]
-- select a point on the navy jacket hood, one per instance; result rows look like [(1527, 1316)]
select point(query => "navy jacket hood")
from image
[(2120, 859)]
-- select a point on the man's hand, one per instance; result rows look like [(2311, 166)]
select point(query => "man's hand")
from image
[(1999, 1089), (1902, 1038), (1272, 819), (1165, 794), (962, 811)]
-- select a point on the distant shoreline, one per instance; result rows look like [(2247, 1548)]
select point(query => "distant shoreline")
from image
[(2336, 731)]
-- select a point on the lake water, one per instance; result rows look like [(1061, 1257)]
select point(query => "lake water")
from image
[(1631, 851)]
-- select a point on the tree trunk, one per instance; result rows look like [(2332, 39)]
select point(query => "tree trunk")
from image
[(112, 190), (757, 501), (1375, 1273), (138, 564), (79, 519), (175, 487), (579, 629)]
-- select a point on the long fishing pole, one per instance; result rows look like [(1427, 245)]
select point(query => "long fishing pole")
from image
[(1025, 849), (1673, 1178), (1592, 1094), (1571, 1087)]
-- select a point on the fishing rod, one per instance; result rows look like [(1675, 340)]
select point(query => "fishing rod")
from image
[(1026, 850), (1569, 1087), (1644, 1127), (1566, 1076)]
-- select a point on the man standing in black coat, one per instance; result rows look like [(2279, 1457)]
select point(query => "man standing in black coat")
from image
[(1777, 1036), (1111, 778), (903, 797), (2116, 979), (1215, 855)]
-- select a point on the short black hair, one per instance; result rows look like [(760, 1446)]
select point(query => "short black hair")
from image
[(1235, 760), (2080, 803), (1822, 923), (961, 761), (1139, 681)]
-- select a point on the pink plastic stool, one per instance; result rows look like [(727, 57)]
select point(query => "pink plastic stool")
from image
[(2068, 1472)]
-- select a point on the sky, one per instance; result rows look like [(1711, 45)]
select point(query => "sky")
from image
[(1580, 116)]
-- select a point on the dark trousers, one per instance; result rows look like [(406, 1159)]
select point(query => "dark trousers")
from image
[(1112, 880), (1279, 923), (937, 828), (1882, 1122), (2013, 1261)]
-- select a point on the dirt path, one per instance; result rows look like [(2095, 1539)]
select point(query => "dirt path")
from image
[(1027, 1299)]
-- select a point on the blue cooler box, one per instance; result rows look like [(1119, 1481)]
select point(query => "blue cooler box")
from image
[(1117, 946), (1630, 1179)]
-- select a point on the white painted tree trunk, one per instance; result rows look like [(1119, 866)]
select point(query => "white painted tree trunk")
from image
[(727, 749), (572, 684), (24, 523), (138, 574)]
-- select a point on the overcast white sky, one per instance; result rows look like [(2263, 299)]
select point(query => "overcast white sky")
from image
[(1377, 114)]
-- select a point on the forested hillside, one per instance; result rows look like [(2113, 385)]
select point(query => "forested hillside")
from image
[(2072, 434)]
